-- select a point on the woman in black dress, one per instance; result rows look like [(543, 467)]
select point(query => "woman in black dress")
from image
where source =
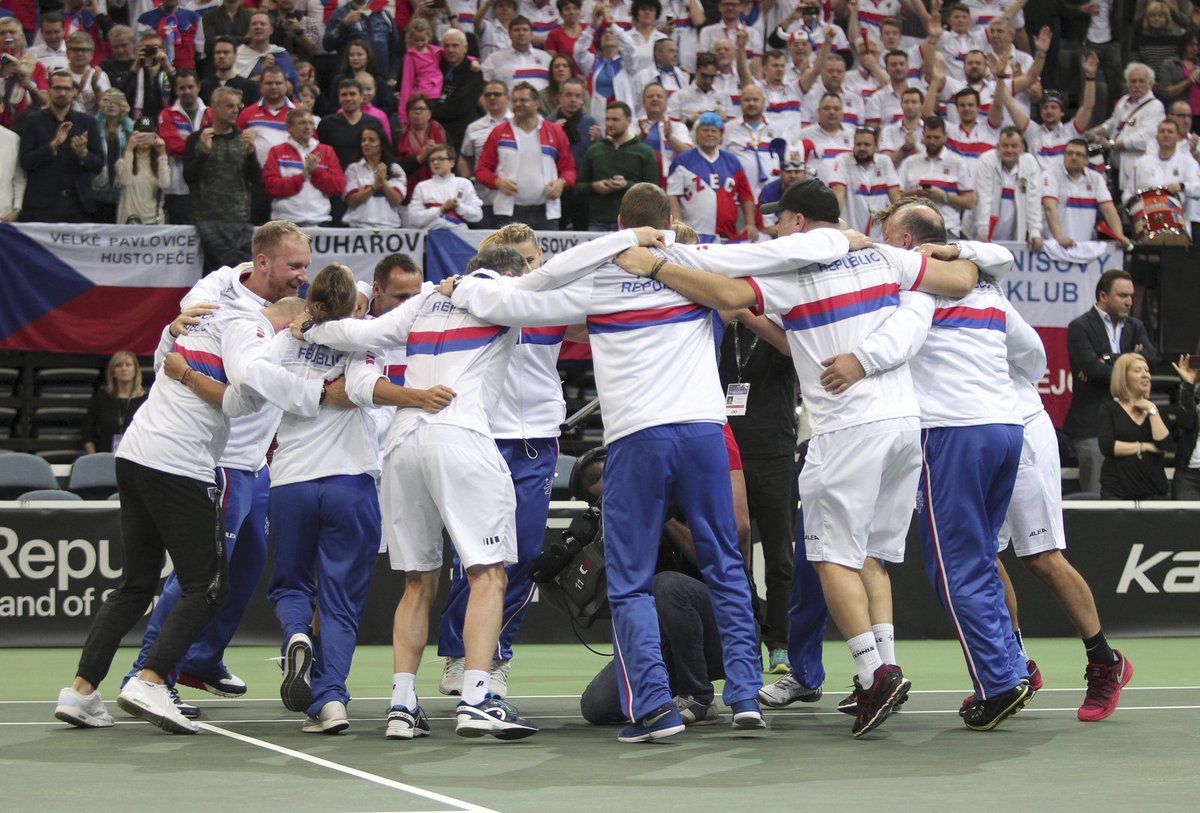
[(1133, 436), (113, 405)]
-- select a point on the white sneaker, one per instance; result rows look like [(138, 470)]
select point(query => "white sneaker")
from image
[(330, 720), (296, 688), (452, 676), (82, 710), (498, 680), (152, 703)]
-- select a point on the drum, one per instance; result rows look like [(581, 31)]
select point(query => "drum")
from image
[(1157, 218)]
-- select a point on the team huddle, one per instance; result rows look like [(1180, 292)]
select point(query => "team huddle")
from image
[(439, 410)]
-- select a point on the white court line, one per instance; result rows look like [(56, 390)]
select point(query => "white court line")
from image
[(334, 766), (222, 700)]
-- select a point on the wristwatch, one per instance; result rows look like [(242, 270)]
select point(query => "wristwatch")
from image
[(306, 326), (1152, 411)]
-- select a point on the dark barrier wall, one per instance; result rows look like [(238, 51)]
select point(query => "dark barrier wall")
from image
[(1142, 564)]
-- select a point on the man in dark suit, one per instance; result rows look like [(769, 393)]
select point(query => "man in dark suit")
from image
[(61, 152), (1094, 340)]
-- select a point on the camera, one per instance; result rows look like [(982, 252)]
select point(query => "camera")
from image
[(570, 571), (150, 52)]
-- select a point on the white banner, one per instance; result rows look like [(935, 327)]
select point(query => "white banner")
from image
[(122, 256), (1050, 292), (361, 249)]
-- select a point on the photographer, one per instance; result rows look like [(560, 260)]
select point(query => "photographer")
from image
[(149, 84), (23, 79), (687, 625), (1094, 341)]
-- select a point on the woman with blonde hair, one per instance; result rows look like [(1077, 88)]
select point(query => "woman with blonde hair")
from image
[(1132, 435), (115, 130), (114, 404)]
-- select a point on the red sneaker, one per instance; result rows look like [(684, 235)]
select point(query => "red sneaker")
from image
[(1035, 675), (1104, 684)]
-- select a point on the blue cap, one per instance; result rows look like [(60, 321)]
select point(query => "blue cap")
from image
[(710, 119)]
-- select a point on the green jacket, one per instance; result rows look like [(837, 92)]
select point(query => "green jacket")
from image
[(633, 160)]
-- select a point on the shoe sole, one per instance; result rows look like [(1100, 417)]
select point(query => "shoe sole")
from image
[(771, 702), (73, 716), (212, 688), (658, 734), (295, 690), (472, 729), (897, 696), (1016, 705), (1123, 684), (749, 722), (335, 727), (167, 724), (405, 734)]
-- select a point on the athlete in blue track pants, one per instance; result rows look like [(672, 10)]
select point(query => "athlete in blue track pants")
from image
[(244, 518), (324, 540), (807, 617), (531, 462), (684, 465), (966, 484)]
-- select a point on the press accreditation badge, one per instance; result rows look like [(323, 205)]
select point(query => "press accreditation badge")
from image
[(735, 399)]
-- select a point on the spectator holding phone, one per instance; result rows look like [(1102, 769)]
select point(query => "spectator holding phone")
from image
[(143, 173)]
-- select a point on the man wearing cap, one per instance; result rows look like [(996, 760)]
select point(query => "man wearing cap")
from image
[(865, 456), (1048, 140), (791, 170), (864, 183), (707, 186)]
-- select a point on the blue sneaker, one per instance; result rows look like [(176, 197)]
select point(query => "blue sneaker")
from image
[(493, 716), (664, 721), (779, 662), (747, 716), (403, 724)]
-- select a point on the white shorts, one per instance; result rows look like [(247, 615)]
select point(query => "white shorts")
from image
[(1034, 521), (448, 477), (858, 490)]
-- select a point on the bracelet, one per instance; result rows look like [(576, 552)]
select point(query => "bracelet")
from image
[(658, 266), (186, 377), (1139, 451)]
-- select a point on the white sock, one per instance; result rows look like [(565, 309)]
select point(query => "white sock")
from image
[(866, 657), (403, 691), (885, 642), (475, 686)]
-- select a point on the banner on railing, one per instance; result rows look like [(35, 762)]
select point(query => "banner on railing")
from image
[(361, 249), (90, 288)]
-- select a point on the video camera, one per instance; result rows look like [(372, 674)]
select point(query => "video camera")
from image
[(570, 572)]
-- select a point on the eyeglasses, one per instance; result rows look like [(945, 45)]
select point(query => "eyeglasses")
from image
[(418, 109), (438, 159), (493, 95)]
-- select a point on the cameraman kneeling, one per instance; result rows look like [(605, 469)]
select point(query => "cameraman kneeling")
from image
[(690, 637)]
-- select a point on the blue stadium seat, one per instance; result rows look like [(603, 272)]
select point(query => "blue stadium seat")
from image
[(94, 476), (21, 472), (45, 494)]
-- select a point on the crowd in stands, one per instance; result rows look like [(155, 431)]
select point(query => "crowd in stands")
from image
[(227, 114)]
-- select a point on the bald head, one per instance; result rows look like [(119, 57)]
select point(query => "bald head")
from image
[(913, 223)]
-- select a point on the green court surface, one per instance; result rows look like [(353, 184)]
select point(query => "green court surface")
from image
[(251, 755)]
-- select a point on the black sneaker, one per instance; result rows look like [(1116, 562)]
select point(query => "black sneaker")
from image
[(493, 716), (984, 715), (876, 703), (664, 721), (849, 703)]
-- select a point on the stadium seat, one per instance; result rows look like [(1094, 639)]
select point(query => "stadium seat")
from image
[(1082, 496), (94, 476), (58, 422), (8, 381), (562, 477), (47, 494), (63, 457), (66, 382), (21, 472)]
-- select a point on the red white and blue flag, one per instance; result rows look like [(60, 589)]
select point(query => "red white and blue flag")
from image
[(92, 288)]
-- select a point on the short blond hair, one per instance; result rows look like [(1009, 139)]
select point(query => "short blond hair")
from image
[(1118, 385), (509, 235), (270, 234)]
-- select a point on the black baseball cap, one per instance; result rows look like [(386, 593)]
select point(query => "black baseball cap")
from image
[(808, 197), (145, 125)]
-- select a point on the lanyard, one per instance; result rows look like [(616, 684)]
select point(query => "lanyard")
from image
[(737, 350)]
